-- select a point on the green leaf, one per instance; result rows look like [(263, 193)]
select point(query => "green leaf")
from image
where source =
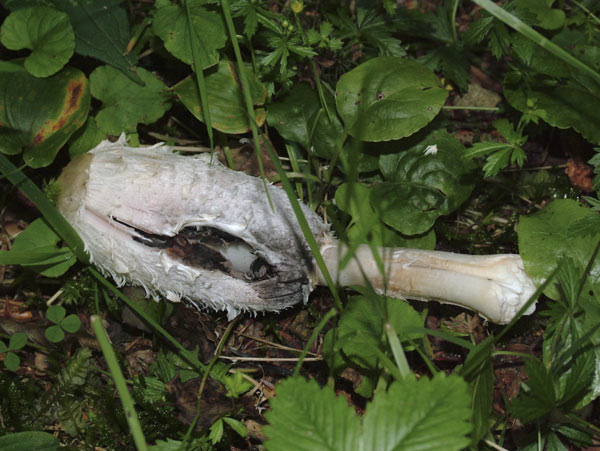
[(38, 115), (388, 98), (366, 226), (236, 385), (565, 105), (361, 326), (419, 414), (12, 361), (46, 31), (170, 24), (101, 31), (86, 138), (126, 104), (540, 399), (427, 178), (237, 426), (56, 313), (546, 17), (71, 323), (149, 389), (225, 101), (216, 431), (544, 238), (299, 117), (306, 417), (40, 237), (29, 440), (54, 334), (3, 347), (17, 341)]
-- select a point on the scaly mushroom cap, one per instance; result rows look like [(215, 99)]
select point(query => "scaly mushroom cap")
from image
[(186, 227)]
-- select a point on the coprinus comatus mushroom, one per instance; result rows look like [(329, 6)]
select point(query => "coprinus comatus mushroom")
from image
[(186, 227)]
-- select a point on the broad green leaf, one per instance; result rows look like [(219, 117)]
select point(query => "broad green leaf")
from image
[(125, 103), (429, 177), (306, 417), (299, 117), (55, 313), (71, 323), (29, 440), (12, 361), (54, 334), (545, 238), (367, 227), (101, 31), (426, 414), (361, 326), (388, 98), (3, 347), (225, 101), (17, 341), (38, 115), (46, 32), (40, 236), (546, 17), (170, 24), (237, 426), (86, 138)]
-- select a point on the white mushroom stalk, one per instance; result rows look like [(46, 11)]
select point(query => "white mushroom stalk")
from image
[(186, 227)]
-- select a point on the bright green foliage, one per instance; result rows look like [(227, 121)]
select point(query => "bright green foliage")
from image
[(412, 414), (299, 117), (37, 248), (45, 31), (170, 24), (361, 327), (62, 323), (225, 101), (236, 385), (323, 37), (306, 417), (430, 178), (125, 103), (388, 98), (545, 237), (29, 440), (86, 138), (500, 155), (38, 115), (545, 16), (16, 342), (366, 225)]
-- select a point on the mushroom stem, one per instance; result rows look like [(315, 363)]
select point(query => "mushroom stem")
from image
[(496, 286)]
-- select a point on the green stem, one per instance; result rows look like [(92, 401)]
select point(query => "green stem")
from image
[(128, 406)]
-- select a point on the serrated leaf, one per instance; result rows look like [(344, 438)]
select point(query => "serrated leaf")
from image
[(54, 334), (71, 324), (225, 102), (236, 384), (361, 326), (46, 32), (540, 399), (52, 261), (38, 115), (299, 117), (418, 414), (170, 24), (17, 341), (388, 98), (56, 313), (149, 389), (101, 31), (29, 440), (428, 178), (306, 417), (216, 431), (545, 238), (125, 103)]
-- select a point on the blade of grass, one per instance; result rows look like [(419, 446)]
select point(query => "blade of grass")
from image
[(48, 210), (111, 360), (397, 350), (200, 58), (515, 23)]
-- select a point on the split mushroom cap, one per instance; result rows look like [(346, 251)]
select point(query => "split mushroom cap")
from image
[(188, 227)]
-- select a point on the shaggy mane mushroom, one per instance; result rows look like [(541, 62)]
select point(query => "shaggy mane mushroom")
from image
[(184, 227)]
